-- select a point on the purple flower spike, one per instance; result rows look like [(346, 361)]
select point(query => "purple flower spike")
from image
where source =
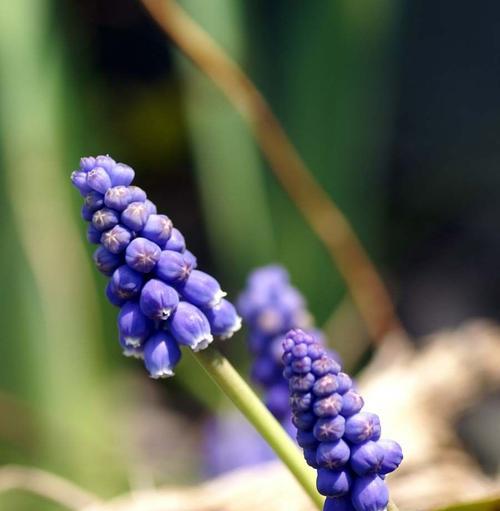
[(172, 267), (224, 320), (370, 493), (333, 483), (161, 355), (117, 239), (175, 242), (202, 290), (79, 180), (104, 219), (121, 174), (105, 261), (158, 300), (344, 445), (190, 327), (142, 255), (133, 326), (127, 283), (361, 427), (157, 228), (393, 456), (118, 198), (135, 216), (99, 180)]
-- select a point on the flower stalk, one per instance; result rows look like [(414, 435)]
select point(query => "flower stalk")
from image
[(238, 391)]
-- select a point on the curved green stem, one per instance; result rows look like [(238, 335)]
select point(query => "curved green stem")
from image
[(233, 385)]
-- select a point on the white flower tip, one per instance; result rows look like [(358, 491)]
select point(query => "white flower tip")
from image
[(202, 343), (218, 296), (164, 373)]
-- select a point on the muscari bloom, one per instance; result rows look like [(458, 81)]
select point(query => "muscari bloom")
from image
[(338, 439), (271, 306), (164, 300)]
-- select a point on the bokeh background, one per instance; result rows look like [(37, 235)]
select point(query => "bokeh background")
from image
[(394, 106)]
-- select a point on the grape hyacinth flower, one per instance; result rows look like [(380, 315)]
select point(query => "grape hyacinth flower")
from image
[(164, 300), (338, 439), (271, 306)]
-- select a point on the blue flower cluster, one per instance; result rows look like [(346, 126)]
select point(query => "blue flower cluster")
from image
[(339, 440), (271, 306), (164, 300)]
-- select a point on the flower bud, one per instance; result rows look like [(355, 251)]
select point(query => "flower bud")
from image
[(366, 457), (133, 326), (190, 327), (93, 201), (202, 290), (157, 229), (117, 239), (306, 438), (87, 163), (112, 296), (86, 213), (142, 255), (137, 194), (93, 235), (301, 365), (135, 215), (172, 267), (345, 383), (121, 174), (310, 456), (127, 283), (361, 427), (393, 456), (175, 242), (325, 365), (332, 455), (98, 180), (158, 300), (104, 219), (303, 420), (190, 259), (161, 355), (338, 504), (325, 385), (79, 180), (105, 161), (223, 319), (369, 493), (105, 261), (302, 383), (329, 406), (329, 429), (300, 402), (151, 207), (333, 483), (118, 198), (352, 403)]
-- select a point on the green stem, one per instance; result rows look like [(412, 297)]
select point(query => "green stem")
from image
[(392, 506), (233, 385)]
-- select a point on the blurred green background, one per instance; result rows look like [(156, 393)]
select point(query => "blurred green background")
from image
[(394, 106)]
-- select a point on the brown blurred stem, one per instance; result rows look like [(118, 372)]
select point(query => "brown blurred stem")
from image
[(324, 217)]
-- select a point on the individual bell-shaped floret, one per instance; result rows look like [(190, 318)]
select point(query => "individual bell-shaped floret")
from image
[(93, 235), (98, 179), (104, 161), (369, 493), (130, 351), (105, 261), (79, 180), (104, 219), (158, 300), (367, 458), (223, 318), (333, 483), (330, 429), (202, 290), (332, 455), (118, 197), (139, 195), (172, 267), (352, 403), (87, 163), (117, 239), (142, 255), (190, 327), (361, 427), (175, 241), (127, 283), (190, 259), (121, 174), (157, 228), (135, 216), (113, 296), (94, 201), (133, 326), (161, 355), (393, 456)]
